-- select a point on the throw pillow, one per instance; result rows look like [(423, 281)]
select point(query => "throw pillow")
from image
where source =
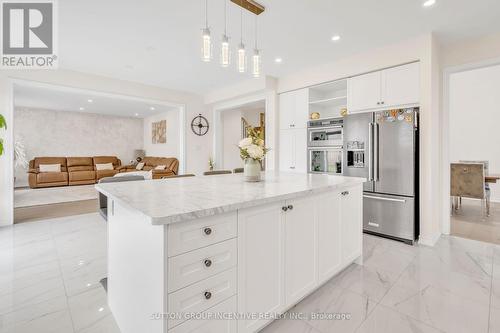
[(139, 166), (104, 166), (160, 167), (49, 167)]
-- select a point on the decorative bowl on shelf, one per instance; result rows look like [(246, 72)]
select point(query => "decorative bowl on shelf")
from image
[(315, 115)]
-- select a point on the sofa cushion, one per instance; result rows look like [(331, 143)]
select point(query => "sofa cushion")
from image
[(154, 161), (52, 177), (105, 173), (160, 167), (104, 166), (50, 167), (139, 166), (107, 159), (35, 163), (76, 176), (80, 163)]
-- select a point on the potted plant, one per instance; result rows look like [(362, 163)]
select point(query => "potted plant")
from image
[(252, 152), (3, 124)]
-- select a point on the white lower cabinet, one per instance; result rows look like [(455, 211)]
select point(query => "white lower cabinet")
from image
[(351, 217), (329, 236), (208, 322), (287, 250), (300, 248), (260, 264)]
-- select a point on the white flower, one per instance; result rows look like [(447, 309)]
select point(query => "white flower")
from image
[(255, 152), (245, 143)]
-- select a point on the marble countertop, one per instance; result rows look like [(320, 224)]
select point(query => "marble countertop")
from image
[(180, 199)]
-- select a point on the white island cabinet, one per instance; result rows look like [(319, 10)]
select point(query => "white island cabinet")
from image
[(216, 254)]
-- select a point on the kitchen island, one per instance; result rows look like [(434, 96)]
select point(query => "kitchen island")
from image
[(182, 252)]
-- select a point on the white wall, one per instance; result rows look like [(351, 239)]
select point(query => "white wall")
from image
[(474, 114), (171, 147), (231, 134), (67, 134)]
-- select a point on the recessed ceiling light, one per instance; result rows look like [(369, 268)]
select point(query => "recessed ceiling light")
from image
[(336, 38), (101, 309), (429, 3), (82, 108), (278, 60), (152, 108), (90, 100), (137, 115)]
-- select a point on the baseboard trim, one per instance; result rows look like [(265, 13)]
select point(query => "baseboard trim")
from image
[(429, 240)]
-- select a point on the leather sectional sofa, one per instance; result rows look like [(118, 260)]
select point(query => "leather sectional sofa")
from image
[(82, 170)]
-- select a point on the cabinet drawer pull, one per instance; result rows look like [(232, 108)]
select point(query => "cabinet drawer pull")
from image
[(208, 262), (284, 208), (345, 193), (208, 295), (207, 231), (290, 207)]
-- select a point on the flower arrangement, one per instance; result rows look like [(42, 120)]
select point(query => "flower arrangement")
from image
[(3, 124), (253, 145)]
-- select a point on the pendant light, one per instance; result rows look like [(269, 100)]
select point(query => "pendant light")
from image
[(225, 52), (256, 60), (206, 40), (242, 57)]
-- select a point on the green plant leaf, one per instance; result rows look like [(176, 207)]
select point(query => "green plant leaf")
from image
[(3, 123), (1, 147)]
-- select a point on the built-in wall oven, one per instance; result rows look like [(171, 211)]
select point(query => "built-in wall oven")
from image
[(325, 146)]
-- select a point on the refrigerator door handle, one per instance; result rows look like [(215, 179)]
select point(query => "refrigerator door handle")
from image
[(375, 153), (370, 152), (384, 198)]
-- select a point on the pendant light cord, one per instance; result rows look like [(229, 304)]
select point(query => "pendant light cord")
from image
[(241, 25), (225, 17), (255, 31), (206, 13)]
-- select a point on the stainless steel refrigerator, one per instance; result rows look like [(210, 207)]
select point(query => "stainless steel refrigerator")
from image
[(383, 148)]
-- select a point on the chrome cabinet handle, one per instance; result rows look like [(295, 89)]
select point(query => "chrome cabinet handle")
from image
[(378, 103), (207, 231), (292, 167), (284, 208), (382, 102), (345, 193), (207, 295), (208, 262), (290, 207)]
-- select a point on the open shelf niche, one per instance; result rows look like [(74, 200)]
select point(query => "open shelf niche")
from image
[(327, 99)]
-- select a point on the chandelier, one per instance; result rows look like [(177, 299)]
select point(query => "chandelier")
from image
[(225, 47)]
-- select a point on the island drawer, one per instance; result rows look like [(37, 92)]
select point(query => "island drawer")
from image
[(209, 322), (201, 296), (194, 266), (187, 236)]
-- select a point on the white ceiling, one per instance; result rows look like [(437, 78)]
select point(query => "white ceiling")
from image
[(62, 99), (157, 42)]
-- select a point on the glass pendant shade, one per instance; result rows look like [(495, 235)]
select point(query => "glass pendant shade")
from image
[(206, 45), (256, 63), (225, 52), (242, 58)]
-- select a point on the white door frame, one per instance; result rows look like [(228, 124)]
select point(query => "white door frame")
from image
[(445, 132), (218, 151)]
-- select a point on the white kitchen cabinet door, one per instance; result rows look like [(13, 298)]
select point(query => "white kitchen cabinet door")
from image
[(294, 109), (364, 92), (260, 263), (351, 217), (287, 150), (401, 85), (300, 249), (287, 110), (329, 235), (301, 116), (300, 150), (293, 150)]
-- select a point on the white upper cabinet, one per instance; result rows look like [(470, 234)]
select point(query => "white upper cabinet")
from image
[(294, 109), (300, 248), (363, 92), (393, 87), (401, 85)]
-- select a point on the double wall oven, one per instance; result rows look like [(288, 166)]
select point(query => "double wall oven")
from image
[(325, 145)]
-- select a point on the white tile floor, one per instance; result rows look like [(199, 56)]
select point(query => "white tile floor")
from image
[(50, 272)]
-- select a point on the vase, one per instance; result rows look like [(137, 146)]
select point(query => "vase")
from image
[(251, 170)]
